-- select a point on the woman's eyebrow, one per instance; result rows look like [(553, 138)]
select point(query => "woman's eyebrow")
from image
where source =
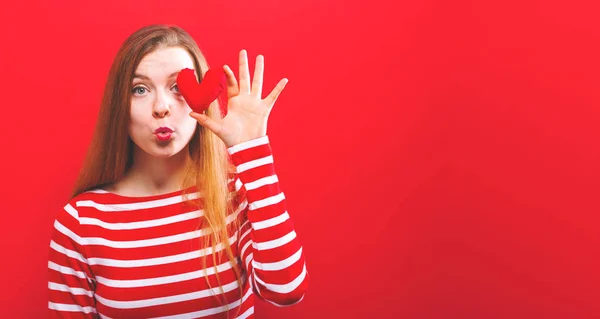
[(141, 76)]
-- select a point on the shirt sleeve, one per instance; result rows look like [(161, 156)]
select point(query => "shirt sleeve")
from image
[(270, 250), (70, 280)]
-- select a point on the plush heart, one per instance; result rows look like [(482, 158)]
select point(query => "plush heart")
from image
[(199, 95)]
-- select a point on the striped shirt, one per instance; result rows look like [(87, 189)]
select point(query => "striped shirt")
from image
[(113, 256)]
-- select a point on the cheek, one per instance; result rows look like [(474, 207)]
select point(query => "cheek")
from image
[(189, 124), (182, 106), (186, 107), (140, 109), (138, 118)]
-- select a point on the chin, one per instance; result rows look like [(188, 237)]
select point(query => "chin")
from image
[(165, 152)]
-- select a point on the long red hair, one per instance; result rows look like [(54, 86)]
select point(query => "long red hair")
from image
[(110, 153)]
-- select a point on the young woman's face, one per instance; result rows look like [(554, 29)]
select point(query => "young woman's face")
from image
[(160, 124)]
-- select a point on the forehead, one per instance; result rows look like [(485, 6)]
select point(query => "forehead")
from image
[(163, 62)]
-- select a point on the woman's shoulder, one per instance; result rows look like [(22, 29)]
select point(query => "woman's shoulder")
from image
[(90, 194), (86, 199), (70, 214)]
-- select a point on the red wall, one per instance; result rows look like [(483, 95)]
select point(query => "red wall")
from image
[(440, 158)]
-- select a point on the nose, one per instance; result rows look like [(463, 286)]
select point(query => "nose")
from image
[(161, 107)]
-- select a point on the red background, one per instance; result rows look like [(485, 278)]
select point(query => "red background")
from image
[(440, 158)]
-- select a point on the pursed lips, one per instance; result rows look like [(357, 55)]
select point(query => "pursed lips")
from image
[(163, 129)]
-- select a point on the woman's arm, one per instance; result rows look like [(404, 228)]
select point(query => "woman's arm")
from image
[(70, 280), (269, 248)]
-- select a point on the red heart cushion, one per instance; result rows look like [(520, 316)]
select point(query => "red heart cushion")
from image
[(199, 95)]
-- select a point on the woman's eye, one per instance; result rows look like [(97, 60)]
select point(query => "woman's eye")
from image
[(176, 87), (138, 90)]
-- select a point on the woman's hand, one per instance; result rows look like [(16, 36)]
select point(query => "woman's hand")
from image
[(247, 112)]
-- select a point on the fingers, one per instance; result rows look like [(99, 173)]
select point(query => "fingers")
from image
[(257, 79), (214, 125), (232, 85), (270, 100), (244, 72)]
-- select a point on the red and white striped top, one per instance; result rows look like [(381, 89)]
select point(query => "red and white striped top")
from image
[(114, 256)]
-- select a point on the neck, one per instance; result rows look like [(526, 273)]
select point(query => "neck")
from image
[(150, 175)]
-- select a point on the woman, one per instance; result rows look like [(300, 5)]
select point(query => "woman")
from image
[(175, 214)]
